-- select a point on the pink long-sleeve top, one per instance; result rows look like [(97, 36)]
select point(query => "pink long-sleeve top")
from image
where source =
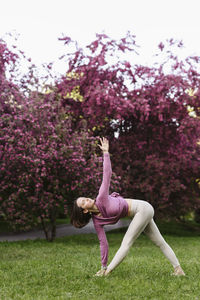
[(112, 208)]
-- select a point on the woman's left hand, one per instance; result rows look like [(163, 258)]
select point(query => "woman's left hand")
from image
[(104, 145)]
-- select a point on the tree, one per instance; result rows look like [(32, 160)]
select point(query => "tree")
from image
[(45, 163), (144, 112)]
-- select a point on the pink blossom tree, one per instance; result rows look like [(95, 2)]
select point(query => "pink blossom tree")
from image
[(45, 163), (48, 141), (145, 113)]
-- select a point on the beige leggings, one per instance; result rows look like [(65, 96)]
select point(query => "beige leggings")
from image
[(142, 213)]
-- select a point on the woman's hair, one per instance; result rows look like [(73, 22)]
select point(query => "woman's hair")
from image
[(78, 218)]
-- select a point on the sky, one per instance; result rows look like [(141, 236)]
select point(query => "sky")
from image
[(39, 24)]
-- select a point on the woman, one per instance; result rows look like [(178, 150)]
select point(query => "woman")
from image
[(108, 209)]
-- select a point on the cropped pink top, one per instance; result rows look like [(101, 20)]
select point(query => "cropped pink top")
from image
[(112, 208)]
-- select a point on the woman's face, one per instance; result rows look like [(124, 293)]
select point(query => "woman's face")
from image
[(85, 203)]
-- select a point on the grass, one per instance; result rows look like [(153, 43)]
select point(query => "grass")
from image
[(64, 269)]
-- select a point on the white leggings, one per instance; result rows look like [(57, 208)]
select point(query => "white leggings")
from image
[(142, 213)]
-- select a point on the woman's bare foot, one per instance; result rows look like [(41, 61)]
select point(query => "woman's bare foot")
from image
[(178, 271)]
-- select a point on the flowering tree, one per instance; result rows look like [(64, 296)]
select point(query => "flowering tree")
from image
[(145, 111), (45, 164), (48, 141)]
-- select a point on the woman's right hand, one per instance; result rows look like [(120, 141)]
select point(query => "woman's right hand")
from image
[(104, 145)]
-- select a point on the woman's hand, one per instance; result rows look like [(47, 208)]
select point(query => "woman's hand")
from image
[(104, 145)]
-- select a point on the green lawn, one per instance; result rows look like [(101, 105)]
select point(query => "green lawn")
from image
[(64, 269)]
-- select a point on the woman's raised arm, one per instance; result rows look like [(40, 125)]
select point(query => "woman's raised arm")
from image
[(107, 171)]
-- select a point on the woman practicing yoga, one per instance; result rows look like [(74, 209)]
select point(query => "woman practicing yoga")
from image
[(108, 209)]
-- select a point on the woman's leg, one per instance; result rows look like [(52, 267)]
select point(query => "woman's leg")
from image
[(154, 234), (136, 227)]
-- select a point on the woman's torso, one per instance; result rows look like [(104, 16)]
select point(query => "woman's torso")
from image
[(133, 205)]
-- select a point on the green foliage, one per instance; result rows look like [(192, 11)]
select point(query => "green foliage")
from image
[(64, 269)]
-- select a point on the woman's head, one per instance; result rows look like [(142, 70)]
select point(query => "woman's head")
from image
[(86, 204), (80, 215)]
